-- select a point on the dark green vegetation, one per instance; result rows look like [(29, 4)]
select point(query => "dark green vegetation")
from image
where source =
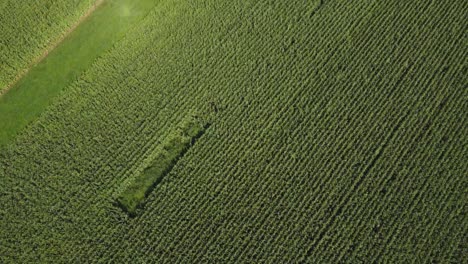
[(33, 93), (170, 151), (340, 136)]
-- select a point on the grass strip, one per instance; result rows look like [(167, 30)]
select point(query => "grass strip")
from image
[(31, 95)]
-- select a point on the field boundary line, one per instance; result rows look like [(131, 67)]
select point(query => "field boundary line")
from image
[(53, 45)]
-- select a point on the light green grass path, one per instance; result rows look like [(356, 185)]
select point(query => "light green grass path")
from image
[(97, 34)]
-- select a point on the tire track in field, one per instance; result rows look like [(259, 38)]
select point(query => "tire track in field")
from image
[(378, 154), (53, 45), (295, 97), (426, 125), (251, 188)]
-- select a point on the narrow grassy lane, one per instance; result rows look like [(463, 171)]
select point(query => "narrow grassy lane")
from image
[(24, 71), (29, 97)]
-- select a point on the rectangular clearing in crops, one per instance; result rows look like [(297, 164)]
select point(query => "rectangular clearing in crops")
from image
[(170, 151)]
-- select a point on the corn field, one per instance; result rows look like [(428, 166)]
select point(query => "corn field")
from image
[(338, 135)]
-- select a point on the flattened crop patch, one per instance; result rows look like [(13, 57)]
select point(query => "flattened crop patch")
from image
[(167, 156)]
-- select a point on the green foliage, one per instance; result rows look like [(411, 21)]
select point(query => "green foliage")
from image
[(340, 138), (171, 150)]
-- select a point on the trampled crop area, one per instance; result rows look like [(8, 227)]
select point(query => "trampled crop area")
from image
[(326, 132)]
